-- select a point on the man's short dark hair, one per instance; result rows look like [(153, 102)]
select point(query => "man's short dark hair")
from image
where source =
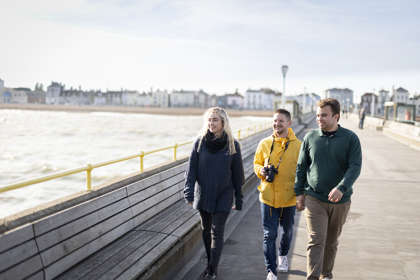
[(333, 103), (284, 112)]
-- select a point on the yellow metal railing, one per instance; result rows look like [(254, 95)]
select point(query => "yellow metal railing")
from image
[(89, 167)]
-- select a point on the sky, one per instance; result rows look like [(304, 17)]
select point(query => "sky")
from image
[(217, 46)]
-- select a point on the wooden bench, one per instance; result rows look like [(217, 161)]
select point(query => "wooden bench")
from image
[(118, 235)]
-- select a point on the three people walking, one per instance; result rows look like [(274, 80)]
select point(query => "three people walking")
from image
[(316, 176)]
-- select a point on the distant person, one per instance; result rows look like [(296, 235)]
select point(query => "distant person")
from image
[(329, 163), (216, 166), (275, 164), (362, 115)]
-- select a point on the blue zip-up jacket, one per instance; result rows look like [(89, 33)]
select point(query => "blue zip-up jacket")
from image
[(213, 179)]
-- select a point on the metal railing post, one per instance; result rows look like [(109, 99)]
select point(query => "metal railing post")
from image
[(175, 147), (89, 177), (141, 161)]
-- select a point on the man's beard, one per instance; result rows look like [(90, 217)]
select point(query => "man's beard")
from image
[(280, 131)]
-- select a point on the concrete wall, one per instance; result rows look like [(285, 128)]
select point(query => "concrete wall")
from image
[(405, 133)]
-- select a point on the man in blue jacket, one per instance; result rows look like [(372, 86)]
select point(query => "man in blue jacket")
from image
[(329, 163)]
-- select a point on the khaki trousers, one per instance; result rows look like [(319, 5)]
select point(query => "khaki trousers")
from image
[(324, 223)]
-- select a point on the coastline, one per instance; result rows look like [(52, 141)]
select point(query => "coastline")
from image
[(131, 109)]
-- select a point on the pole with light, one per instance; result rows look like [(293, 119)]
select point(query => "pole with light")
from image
[(284, 69)]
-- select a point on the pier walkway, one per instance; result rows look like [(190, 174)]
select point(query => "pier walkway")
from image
[(381, 239)]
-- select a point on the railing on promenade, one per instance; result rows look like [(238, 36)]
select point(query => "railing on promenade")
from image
[(89, 167)]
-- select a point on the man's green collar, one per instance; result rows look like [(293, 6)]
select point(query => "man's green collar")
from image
[(338, 133)]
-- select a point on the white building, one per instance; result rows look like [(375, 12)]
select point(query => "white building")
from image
[(415, 100), (383, 96), (343, 95), (400, 95), (53, 93), (213, 100), (160, 98), (129, 97), (234, 100), (2, 91), (144, 99), (99, 98), (369, 101), (182, 98), (113, 97), (75, 97), (307, 101), (189, 98), (19, 95), (201, 99), (262, 99)]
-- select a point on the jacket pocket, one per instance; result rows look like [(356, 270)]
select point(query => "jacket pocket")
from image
[(267, 192)]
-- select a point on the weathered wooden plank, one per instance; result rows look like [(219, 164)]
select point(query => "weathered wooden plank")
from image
[(132, 258), (148, 202), (154, 179), (164, 219), (66, 231), (16, 255), (37, 276), (61, 265), (179, 222), (22, 270), (143, 263), (152, 190), (15, 237), (73, 213), (78, 241), (175, 215), (149, 208), (118, 259), (186, 226), (108, 257)]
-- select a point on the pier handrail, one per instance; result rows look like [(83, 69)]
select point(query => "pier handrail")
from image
[(89, 167)]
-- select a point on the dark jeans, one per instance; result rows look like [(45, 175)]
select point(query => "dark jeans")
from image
[(271, 218), (213, 226), (361, 123)]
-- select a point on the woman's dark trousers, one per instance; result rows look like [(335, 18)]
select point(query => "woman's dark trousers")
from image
[(213, 226)]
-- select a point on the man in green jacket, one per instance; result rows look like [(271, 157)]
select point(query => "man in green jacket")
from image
[(329, 163)]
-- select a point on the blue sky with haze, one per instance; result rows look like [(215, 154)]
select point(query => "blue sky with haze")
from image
[(217, 46)]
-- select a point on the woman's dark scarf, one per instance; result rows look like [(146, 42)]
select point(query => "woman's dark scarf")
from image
[(214, 144)]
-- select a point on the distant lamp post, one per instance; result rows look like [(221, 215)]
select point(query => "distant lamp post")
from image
[(284, 69)]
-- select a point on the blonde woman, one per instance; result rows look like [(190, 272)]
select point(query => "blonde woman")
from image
[(213, 179)]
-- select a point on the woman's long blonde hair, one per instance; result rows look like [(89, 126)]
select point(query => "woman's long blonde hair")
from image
[(226, 127)]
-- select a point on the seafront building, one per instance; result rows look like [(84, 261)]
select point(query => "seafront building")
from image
[(343, 95), (307, 101), (252, 99), (261, 99)]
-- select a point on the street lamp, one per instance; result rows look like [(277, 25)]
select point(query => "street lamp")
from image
[(284, 69)]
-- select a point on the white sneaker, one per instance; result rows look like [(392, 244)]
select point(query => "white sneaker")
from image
[(283, 264), (326, 278), (271, 276)]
